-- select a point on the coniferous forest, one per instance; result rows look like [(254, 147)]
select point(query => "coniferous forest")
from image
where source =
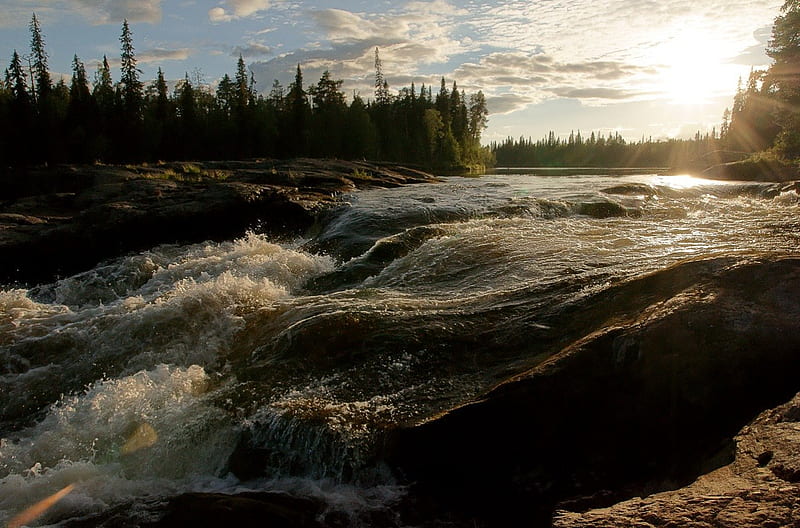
[(134, 120), (99, 120)]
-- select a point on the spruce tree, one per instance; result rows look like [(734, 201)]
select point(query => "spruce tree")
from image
[(43, 83), (298, 116), (17, 80), (132, 87), (381, 85)]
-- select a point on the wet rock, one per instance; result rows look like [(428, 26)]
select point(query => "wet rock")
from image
[(647, 401), (254, 509), (62, 220)]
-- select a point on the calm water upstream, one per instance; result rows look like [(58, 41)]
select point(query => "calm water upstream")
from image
[(136, 380)]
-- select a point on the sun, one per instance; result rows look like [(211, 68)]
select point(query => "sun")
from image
[(694, 68)]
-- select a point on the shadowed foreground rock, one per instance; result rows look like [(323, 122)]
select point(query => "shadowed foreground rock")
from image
[(761, 488), (66, 219), (647, 402)]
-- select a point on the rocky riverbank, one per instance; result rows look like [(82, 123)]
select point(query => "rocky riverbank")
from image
[(753, 169), (649, 400), (61, 220)]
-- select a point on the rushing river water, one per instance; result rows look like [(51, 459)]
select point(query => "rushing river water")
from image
[(137, 380)]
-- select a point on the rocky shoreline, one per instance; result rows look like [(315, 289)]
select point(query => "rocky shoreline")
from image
[(61, 220)]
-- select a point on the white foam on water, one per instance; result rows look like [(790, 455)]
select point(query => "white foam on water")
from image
[(94, 440)]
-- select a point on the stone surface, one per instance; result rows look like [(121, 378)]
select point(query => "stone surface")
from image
[(672, 365), (758, 489), (63, 220), (752, 170)]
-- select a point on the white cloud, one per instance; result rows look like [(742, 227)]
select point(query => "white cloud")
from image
[(161, 54), (218, 14), (253, 49), (114, 11), (237, 9)]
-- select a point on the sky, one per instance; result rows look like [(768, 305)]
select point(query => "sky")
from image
[(640, 68)]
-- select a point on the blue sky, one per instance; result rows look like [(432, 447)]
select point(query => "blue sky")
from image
[(663, 68)]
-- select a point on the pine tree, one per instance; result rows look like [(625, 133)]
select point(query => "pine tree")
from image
[(17, 80), (132, 87), (79, 87), (103, 91), (43, 83), (381, 85), (241, 89), (298, 110), (19, 144), (276, 96)]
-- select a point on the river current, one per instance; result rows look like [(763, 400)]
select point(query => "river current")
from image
[(139, 379)]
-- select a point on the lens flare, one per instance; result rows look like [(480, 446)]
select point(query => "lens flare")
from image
[(40, 508)]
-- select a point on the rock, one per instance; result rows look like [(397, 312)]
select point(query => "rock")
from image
[(755, 490), (66, 219), (254, 509), (753, 170), (647, 401)]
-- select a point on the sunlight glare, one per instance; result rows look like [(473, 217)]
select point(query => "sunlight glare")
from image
[(683, 181), (696, 67)]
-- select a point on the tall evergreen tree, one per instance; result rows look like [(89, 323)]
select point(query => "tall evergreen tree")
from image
[(41, 73), (17, 80), (80, 114), (242, 94), (784, 76), (132, 87), (298, 113), (478, 117), (162, 103), (381, 85), (19, 141)]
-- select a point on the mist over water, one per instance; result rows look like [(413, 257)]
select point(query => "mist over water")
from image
[(138, 379)]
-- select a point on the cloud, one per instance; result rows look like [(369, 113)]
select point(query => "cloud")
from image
[(114, 11), (161, 54), (508, 103), (253, 49), (594, 93), (237, 9)]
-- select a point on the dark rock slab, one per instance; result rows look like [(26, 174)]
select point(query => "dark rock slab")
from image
[(759, 488), (62, 220), (648, 401), (751, 169), (254, 509)]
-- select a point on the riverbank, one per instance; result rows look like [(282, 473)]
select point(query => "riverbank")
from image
[(61, 220), (755, 168)]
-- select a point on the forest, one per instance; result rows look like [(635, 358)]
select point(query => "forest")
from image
[(599, 150), (132, 120)]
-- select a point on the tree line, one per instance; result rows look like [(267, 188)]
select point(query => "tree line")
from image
[(599, 150), (133, 121), (766, 109)]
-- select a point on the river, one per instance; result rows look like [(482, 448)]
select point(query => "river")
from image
[(139, 379)]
